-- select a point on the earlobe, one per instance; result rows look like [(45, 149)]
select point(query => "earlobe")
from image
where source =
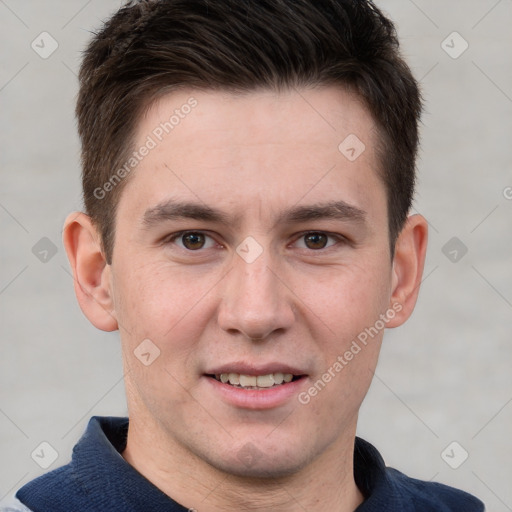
[(408, 263), (92, 275)]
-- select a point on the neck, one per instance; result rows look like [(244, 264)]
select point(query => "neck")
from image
[(326, 483)]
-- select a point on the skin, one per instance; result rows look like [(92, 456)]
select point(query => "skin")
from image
[(253, 157)]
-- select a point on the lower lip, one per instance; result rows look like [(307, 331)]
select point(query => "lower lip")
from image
[(267, 398)]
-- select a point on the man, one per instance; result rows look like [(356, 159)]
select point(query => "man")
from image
[(248, 169)]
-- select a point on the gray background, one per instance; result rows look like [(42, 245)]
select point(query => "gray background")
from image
[(443, 377)]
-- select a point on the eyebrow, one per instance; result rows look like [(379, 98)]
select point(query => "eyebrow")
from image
[(175, 210), (337, 210)]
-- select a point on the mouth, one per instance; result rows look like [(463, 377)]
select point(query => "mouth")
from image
[(256, 386), (255, 382)]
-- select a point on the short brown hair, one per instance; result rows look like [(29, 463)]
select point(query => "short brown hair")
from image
[(150, 47)]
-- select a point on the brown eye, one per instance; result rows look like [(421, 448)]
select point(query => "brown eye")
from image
[(316, 240), (193, 241)]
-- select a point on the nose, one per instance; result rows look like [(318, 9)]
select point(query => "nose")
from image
[(256, 302)]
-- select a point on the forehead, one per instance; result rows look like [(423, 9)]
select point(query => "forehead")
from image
[(316, 115), (263, 146)]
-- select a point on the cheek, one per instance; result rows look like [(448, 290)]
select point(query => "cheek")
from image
[(347, 299), (157, 301), (356, 302)]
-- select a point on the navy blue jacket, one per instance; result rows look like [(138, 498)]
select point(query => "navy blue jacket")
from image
[(98, 479)]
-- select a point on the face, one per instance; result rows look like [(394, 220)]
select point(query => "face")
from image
[(251, 249)]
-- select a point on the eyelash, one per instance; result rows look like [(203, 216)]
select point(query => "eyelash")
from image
[(340, 239), (175, 236)]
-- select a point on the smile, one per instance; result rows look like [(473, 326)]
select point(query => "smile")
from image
[(255, 381)]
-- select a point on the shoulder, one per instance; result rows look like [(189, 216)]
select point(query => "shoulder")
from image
[(386, 488), (58, 487), (82, 483), (432, 496)]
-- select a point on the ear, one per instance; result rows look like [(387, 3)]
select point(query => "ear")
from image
[(408, 263), (91, 273)]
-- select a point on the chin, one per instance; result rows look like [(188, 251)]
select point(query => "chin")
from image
[(250, 462)]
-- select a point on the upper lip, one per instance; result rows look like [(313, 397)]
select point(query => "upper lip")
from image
[(255, 369)]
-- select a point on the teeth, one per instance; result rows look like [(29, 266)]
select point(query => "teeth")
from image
[(265, 381), (234, 378), (248, 380), (278, 378), (253, 381)]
